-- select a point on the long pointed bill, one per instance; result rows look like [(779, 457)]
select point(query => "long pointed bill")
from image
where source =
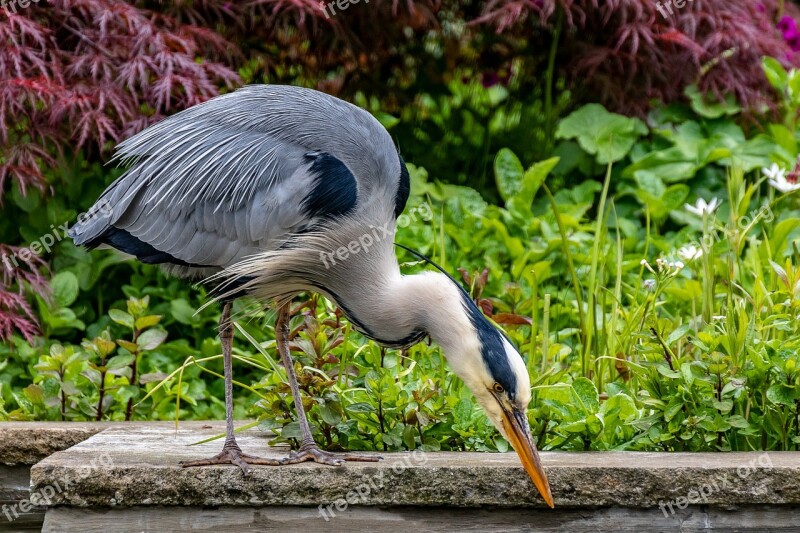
[(519, 433)]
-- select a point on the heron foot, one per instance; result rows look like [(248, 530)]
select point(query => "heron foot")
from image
[(232, 455), (313, 453)]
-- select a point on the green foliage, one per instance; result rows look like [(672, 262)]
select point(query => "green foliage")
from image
[(644, 325)]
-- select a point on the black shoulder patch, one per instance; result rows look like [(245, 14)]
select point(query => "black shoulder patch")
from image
[(334, 192), (403, 189), (144, 252), (492, 349)]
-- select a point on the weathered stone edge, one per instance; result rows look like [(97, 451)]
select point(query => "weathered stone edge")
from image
[(27, 444), (457, 486)]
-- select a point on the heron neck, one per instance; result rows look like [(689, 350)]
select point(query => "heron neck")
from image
[(400, 310)]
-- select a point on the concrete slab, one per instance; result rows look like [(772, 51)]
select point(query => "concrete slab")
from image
[(27, 443), (138, 466)]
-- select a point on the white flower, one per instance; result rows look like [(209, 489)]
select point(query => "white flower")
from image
[(670, 268), (780, 182), (774, 172), (701, 207), (649, 285), (645, 264), (690, 252)]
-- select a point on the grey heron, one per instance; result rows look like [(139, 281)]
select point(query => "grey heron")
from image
[(256, 187)]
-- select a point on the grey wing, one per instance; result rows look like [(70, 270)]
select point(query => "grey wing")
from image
[(238, 174)]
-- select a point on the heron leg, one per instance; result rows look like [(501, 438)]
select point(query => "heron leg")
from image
[(231, 454), (309, 451)]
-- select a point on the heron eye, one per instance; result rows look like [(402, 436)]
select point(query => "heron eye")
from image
[(498, 388)]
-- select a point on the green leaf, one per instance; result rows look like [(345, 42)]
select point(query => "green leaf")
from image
[(594, 424), (331, 413), (360, 407), (508, 173), (147, 321), (780, 236), (621, 405), (151, 339), (121, 317), (520, 203), (119, 361), (292, 431), (608, 136), (706, 106), (587, 393), (65, 288), (664, 370), (34, 394), (724, 406), (738, 421), (783, 394), (182, 311), (28, 202), (128, 345), (775, 73), (678, 333), (686, 370), (386, 120)]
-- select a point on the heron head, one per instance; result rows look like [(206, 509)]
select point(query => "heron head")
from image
[(496, 374)]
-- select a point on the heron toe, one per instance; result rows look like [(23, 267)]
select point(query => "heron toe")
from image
[(231, 455), (313, 453)]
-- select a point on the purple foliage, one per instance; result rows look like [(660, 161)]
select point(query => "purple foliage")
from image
[(628, 53)]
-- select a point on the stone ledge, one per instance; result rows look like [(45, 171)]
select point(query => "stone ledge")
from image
[(138, 466), (27, 443)]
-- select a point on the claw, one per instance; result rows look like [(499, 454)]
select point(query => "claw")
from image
[(313, 453), (232, 455)]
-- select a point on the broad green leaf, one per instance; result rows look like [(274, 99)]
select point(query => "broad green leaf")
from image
[(678, 333), (331, 413), (587, 392), (182, 311), (151, 339), (594, 424), (606, 135), (508, 173), (532, 180), (775, 73), (664, 370), (621, 405), (120, 361), (128, 345), (686, 370), (147, 321), (707, 106), (65, 288), (738, 421), (121, 317), (783, 394)]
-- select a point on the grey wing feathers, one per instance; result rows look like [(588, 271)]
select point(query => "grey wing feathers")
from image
[(226, 178)]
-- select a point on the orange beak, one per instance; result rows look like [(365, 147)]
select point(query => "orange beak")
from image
[(519, 433)]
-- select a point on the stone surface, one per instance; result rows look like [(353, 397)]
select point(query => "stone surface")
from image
[(27, 443), (429, 519), (136, 466)]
